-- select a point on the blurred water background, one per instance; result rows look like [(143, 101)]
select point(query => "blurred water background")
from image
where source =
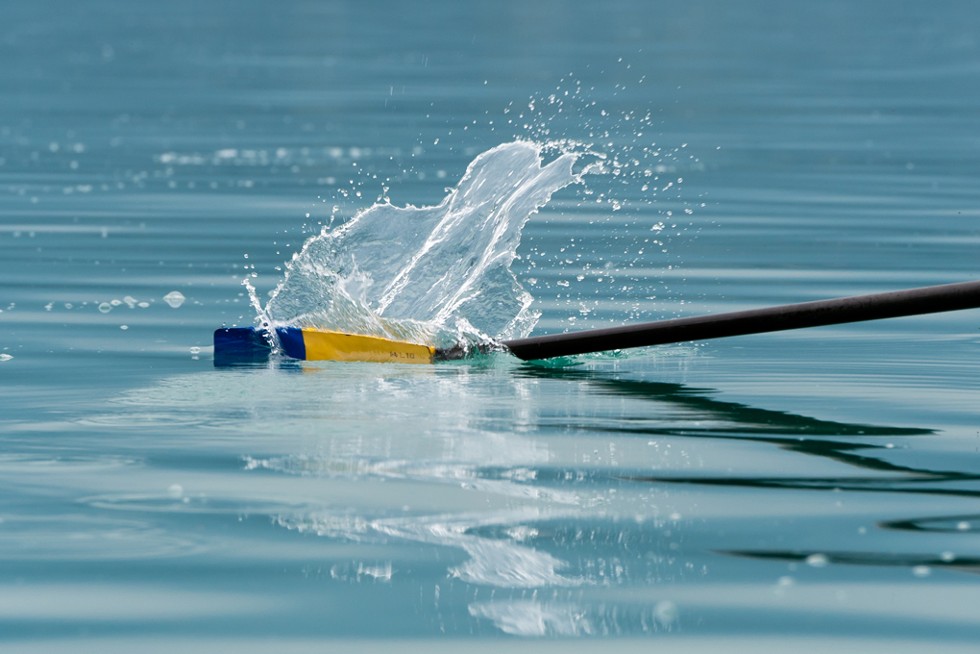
[(804, 490)]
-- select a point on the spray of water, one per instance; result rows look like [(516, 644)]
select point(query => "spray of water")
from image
[(438, 274), (450, 272)]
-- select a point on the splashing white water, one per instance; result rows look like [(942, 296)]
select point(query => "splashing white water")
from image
[(439, 274)]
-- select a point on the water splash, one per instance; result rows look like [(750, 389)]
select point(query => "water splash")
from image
[(439, 274)]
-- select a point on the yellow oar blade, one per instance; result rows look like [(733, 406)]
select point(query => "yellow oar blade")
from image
[(321, 345)]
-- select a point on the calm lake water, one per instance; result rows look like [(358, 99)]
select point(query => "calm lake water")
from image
[(802, 491)]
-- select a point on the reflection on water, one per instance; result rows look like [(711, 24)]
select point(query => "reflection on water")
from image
[(511, 498), (494, 477), (920, 565), (811, 437)]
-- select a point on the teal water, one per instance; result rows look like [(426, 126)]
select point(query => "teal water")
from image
[(801, 491)]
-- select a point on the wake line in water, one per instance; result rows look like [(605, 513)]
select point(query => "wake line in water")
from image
[(439, 274)]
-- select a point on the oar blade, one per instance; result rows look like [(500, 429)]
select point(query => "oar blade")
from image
[(322, 345), (247, 345)]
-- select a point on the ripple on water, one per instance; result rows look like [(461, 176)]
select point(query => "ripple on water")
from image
[(89, 538), (533, 618), (19, 462), (944, 524), (174, 500)]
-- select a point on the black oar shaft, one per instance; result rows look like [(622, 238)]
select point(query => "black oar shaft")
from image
[(911, 302)]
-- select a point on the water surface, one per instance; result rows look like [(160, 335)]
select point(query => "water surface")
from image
[(808, 490)]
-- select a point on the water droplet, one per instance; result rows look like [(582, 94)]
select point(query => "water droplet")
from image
[(665, 613), (817, 560), (921, 571), (105, 307), (195, 350), (5, 357), (174, 299)]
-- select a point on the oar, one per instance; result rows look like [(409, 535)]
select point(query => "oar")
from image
[(247, 344), (911, 302)]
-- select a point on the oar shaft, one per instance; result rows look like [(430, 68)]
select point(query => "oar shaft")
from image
[(911, 302)]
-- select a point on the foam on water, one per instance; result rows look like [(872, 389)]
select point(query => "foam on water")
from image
[(437, 274)]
